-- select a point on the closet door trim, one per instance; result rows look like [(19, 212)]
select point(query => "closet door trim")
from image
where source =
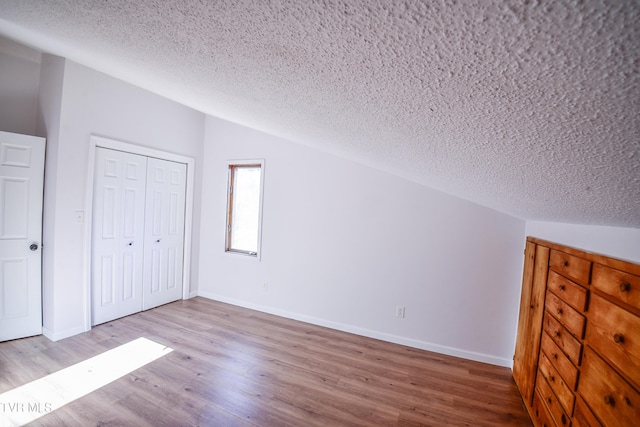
[(98, 141)]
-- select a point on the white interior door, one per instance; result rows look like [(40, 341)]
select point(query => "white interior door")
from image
[(137, 233), (118, 234), (164, 232), (21, 186)]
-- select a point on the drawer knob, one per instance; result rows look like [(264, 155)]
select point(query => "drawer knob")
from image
[(565, 263), (627, 400), (618, 338), (552, 378), (609, 400), (562, 287), (549, 399), (559, 311), (555, 356), (624, 287), (556, 334)]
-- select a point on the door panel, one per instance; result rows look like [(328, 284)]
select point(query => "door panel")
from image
[(107, 282), (15, 221), (534, 279), (21, 185), (16, 300), (164, 236), (118, 244)]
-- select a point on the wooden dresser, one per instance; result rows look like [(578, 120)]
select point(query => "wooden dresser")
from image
[(577, 358)]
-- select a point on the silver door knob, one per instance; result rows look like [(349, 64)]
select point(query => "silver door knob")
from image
[(33, 247)]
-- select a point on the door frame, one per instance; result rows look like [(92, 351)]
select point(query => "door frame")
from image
[(96, 141)]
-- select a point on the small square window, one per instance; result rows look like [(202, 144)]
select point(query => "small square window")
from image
[(244, 207)]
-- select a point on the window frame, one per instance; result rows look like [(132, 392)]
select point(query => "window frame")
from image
[(232, 165)]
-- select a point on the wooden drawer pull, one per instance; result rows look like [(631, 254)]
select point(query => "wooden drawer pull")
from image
[(565, 263), (559, 311), (556, 334), (618, 338), (562, 287), (627, 400), (609, 400), (625, 286), (564, 419), (555, 356), (552, 378)]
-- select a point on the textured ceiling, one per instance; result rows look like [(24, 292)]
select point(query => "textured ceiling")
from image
[(529, 107)]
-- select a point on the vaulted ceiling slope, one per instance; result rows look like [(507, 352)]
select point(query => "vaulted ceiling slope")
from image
[(528, 107)]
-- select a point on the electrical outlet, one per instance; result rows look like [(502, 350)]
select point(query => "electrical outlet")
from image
[(400, 312)]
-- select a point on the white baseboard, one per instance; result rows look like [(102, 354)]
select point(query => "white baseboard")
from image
[(60, 335), (410, 342)]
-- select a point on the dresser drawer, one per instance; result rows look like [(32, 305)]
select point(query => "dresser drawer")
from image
[(541, 416), (623, 286), (551, 401), (570, 266), (615, 334), (561, 389), (567, 342), (575, 295), (582, 415), (610, 397), (560, 361), (566, 315)]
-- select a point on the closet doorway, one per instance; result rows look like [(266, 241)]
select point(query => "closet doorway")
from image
[(138, 231)]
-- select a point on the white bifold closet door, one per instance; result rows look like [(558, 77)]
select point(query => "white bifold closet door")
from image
[(164, 232), (138, 233)]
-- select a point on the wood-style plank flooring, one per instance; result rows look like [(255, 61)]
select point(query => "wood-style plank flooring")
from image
[(237, 367)]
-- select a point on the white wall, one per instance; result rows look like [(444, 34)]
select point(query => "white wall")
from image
[(48, 126), (343, 244), (617, 242), (19, 80), (94, 103)]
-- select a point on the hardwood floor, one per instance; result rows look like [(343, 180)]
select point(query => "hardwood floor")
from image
[(237, 367)]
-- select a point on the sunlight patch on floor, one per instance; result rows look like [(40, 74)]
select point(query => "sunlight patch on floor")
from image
[(33, 400)]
